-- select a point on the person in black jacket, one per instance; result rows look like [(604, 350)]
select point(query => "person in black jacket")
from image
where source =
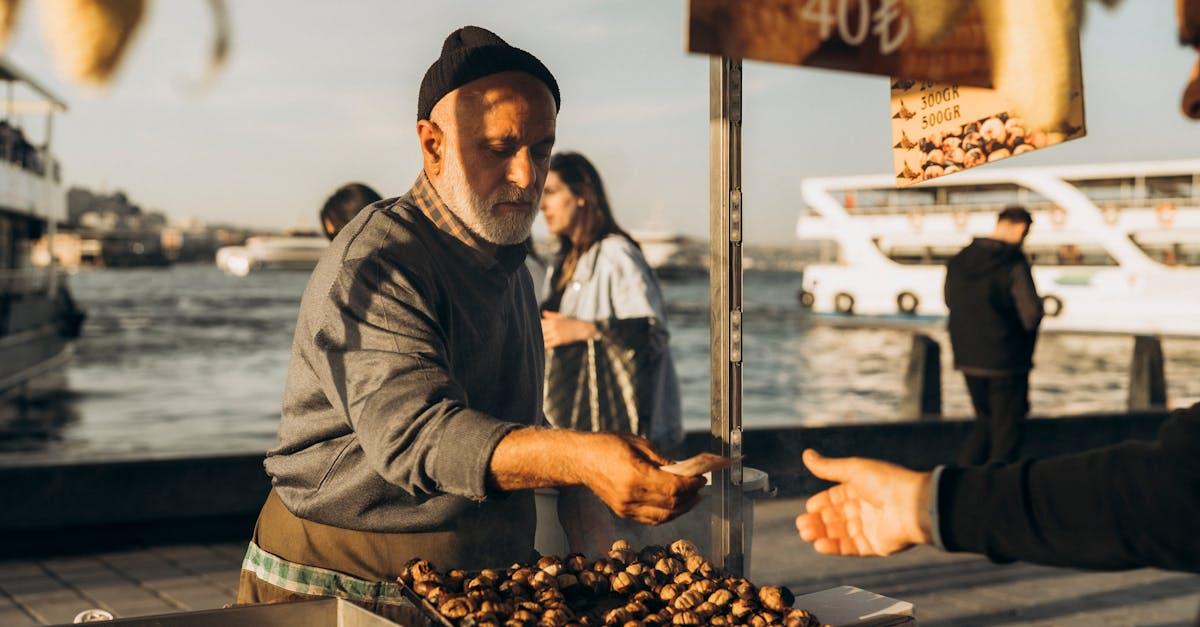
[(1128, 505), (994, 316)]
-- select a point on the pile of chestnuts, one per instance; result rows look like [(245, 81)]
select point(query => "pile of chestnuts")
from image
[(654, 586)]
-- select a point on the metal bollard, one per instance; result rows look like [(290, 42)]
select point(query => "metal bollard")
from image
[(1147, 378), (923, 381)]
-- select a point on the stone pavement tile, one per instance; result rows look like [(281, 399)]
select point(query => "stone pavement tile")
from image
[(225, 581), (32, 584), (129, 608), (142, 566), (236, 550), (11, 614), (197, 597), (19, 570), (80, 579), (187, 552), (14, 617), (60, 607), (73, 565)]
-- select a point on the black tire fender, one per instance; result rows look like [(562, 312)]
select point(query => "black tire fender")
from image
[(843, 303)]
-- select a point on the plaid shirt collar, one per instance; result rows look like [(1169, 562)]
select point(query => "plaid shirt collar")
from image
[(486, 254)]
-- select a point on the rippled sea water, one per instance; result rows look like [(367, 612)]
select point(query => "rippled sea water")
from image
[(187, 360)]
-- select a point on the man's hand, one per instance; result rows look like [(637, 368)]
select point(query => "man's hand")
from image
[(559, 330), (623, 470), (877, 508)]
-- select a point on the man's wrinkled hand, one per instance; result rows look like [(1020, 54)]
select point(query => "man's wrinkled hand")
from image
[(877, 508), (623, 470)]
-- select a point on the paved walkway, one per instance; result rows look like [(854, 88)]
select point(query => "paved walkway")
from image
[(947, 589)]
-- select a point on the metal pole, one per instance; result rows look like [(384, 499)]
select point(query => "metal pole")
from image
[(725, 305)]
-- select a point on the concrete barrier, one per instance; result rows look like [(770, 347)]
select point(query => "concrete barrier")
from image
[(60, 508)]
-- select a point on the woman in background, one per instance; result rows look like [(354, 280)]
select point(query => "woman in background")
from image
[(604, 325), (343, 205)]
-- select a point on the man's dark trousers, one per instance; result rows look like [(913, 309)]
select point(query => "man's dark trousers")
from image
[(1001, 405)]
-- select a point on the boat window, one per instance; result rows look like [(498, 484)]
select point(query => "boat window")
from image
[(1172, 253), (1069, 255), (921, 255), (1106, 189), (998, 195), (1176, 186), (885, 201)]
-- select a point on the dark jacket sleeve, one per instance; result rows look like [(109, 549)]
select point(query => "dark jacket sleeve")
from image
[(1129, 505), (1029, 304)]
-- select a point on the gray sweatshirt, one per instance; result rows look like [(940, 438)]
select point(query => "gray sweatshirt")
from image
[(413, 356)]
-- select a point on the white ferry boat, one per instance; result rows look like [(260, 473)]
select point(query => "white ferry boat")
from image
[(38, 318), (296, 250), (1115, 248)]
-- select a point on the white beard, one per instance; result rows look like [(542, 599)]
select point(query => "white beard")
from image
[(479, 214)]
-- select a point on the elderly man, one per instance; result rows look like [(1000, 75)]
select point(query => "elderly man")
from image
[(415, 380)]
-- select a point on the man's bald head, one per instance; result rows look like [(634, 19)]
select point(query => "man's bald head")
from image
[(486, 148)]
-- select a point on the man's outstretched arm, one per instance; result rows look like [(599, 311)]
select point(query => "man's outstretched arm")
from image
[(623, 470)]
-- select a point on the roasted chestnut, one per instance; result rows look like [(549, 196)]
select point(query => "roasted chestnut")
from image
[(687, 600), (415, 570), (555, 617), (617, 616), (683, 548), (721, 597), (542, 579), (686, 618), (597, 582), (457, 607), (624, 583), (704, 586), (669, 566), (743, 608), (576, 562), (550, 564), (776, 598), (797, 617), (623, 556), (515, 589)]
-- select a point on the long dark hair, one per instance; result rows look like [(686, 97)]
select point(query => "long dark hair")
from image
[(593, 220)]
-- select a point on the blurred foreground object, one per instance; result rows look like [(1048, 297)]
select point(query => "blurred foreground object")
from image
[(1188, 12), (89, 38)]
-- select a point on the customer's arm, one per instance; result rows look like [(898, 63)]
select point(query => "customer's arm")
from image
[(1029, 304), (1133, 504), (1124, 506)]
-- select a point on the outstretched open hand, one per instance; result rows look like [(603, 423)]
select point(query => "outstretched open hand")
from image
[(877, 508)]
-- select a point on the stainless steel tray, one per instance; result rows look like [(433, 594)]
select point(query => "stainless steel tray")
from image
[(315, 613)]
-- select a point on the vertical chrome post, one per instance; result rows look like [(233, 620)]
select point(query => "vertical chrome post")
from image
[(725, 305)]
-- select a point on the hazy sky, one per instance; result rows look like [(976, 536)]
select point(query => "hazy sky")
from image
[(321, 93)]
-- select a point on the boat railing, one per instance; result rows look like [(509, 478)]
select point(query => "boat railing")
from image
[(25, 281), (1032, 206)]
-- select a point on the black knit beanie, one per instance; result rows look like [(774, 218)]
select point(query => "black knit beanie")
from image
[(471, 53)]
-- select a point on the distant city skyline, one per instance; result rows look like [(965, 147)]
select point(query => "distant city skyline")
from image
[(316, 95)]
